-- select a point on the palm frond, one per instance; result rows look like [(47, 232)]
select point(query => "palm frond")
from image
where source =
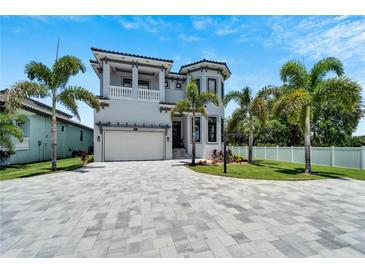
[(208, 97), (70, 95), (235, 96), (70, 103), (17, 93), (292, 105), (342, 89), (324, 66), (259, 109), (237, 117), (64, 68), (270, 92), (192, 91), (183, 105), (202, 110), (39, 72), (295, 74)]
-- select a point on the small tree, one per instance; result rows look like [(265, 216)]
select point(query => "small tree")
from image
[(194, 103), (52, 82), (303, 89), (9, 127), (251, 110)]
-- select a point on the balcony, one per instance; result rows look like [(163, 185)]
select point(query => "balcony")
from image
[(149, 95)]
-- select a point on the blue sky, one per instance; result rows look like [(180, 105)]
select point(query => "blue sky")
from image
[(253, 46)]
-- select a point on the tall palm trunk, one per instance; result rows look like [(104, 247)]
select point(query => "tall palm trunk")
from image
[(250, 144), (307, 140), (54, 132), (193, 142)]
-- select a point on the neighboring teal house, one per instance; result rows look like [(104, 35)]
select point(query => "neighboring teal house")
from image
[(71, 135)]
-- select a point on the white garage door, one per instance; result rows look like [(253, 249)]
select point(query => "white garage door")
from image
[(134, 145)]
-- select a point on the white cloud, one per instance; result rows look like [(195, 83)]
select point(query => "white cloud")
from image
[(209, 53), (202, 23), (221, 27), (128, 24), (317, 37), (189, 38), (226, 31), (146, 23)]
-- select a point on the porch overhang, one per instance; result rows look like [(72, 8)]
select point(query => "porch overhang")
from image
[(133, 125)]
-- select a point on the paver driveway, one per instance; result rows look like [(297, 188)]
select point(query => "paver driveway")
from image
[(163, 209)]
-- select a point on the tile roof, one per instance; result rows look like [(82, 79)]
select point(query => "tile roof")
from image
[(207, 61), (131, 55)]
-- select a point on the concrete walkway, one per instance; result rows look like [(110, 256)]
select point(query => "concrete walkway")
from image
[(163, 209)]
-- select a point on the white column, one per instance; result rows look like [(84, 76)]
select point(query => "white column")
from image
[(362, 157), (204, 81), (135, 79), (332, 156), (292, 154), (162, 84), (188, 77), (106, 78)]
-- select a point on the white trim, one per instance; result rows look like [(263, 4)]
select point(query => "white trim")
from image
[(22, 145), (216, 129)]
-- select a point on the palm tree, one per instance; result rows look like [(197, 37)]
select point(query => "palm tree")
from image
[(9, 127), (250, 111), (52, 82), (303, 89), (194, 103)]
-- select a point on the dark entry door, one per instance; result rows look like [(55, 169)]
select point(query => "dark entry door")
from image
[(176, 134)]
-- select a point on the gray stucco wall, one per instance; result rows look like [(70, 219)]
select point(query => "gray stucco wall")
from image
[(40, 130), (125, 111)]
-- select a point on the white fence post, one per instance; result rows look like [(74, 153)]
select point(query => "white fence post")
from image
[(292, 154), (332, 156), (277, 153), (265, 152), (362, 157)]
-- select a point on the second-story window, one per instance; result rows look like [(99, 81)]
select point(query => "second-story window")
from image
[(178, 85), (127, 83), (197, 81), (212, 85), (143, 84), (222, 90), (167, 84), (81, 135)]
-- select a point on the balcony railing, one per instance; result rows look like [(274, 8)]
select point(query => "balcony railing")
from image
[(118, 92)]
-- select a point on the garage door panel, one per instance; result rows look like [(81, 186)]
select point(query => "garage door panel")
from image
[(134, 145)]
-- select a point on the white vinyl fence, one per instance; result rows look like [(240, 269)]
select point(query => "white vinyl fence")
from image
[(348, 157)]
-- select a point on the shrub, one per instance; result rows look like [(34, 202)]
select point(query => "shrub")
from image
[(6, 154), (84, 157), (218, 155)]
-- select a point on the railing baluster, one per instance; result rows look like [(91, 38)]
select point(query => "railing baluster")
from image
[(118, 92)]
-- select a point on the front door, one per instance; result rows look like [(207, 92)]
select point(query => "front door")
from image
[(176, 134)]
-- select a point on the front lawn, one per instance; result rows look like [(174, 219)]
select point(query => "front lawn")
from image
[(272, 170), (27, 170)]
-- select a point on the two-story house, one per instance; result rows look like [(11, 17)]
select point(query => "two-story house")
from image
[(137, 94)]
